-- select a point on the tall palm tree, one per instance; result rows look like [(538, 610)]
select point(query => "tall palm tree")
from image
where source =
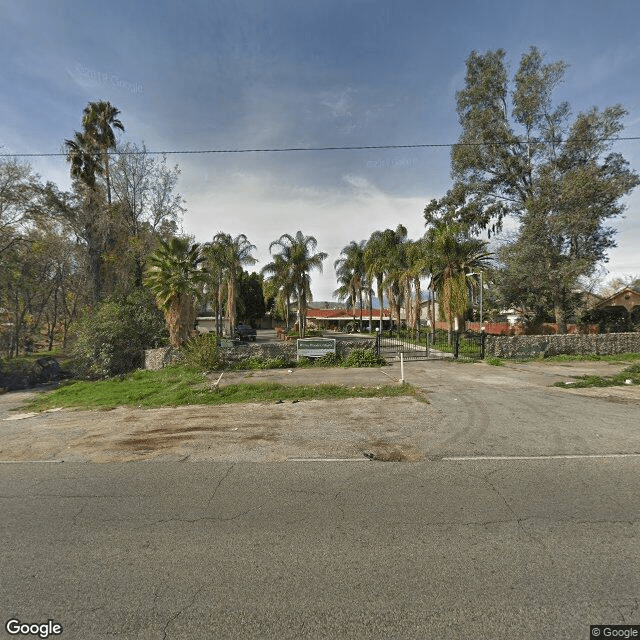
[(100, 118), (279, 285), (383, 263), (233, 254), (350, 270), (213, 264), (175, 278), (456, 256), (297, 253), (417, 267), (87, 152), (374, 267)]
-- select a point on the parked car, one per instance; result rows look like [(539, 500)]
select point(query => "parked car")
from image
[(245, 332)]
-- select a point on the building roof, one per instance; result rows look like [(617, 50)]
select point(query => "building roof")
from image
[(627, 297), (343, 314)]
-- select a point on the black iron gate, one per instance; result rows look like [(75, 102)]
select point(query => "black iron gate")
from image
[(429, 345)]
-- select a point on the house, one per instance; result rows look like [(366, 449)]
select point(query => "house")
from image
[(337, 319), (629, 298)]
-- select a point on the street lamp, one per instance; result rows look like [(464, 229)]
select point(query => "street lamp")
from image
[(473, 273)]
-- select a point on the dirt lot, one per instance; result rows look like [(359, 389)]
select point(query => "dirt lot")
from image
[(471, 409)]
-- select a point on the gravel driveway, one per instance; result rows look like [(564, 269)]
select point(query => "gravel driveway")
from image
[(471, 409)]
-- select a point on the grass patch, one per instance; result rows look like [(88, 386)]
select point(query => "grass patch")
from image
[(176, 386), (631, 373), (495, 362), (615, 358)]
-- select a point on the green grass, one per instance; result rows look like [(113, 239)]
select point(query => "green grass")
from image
[(631, 373), (616, 357), (177, 386)]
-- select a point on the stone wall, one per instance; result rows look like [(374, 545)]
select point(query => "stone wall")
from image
[(552, 345), (155, 359)]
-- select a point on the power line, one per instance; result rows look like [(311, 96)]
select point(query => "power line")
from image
[(286, 149)]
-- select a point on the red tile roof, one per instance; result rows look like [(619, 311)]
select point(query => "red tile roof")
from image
[(343, 313)]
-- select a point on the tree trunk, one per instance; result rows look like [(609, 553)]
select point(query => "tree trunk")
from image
[(561, 319), (231, 305)]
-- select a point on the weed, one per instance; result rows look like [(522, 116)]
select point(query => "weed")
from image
[(631, 373), (496, 362)]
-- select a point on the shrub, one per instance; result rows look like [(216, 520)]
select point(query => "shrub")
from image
[(328, 360), (202, 352), (111, 338), (363, 358)]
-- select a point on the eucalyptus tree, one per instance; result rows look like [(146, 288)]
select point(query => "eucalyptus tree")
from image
[(558, 179), (297, 252), (176, 279), (19, 189), (146, 207)]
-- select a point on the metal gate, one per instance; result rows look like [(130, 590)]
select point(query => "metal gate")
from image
[(427, 345)]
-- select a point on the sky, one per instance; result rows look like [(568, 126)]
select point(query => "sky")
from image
[(228, 74)]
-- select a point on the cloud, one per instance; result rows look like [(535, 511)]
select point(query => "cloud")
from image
[(264, 209)]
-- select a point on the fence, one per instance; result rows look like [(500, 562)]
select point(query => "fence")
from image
[(427, 345)]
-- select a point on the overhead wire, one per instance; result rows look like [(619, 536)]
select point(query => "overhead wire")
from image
[(287, 149)]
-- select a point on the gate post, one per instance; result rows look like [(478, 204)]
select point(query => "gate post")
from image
[(456, 343), (483, 336), (377, 344)]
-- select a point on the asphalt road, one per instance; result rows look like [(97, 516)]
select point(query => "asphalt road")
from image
[(523, 522), (441, 549)]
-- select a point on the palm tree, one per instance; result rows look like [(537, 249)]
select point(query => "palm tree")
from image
[(174, 277), (374, 267), (233, 254), (384, 258), (84, 162), (87, 153), (100, 118), (279, 285), (455, 256), (297, 254), (213, 262), (417, 267), (350, 271)]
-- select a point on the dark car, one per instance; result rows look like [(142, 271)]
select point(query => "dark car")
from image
[(245, 332)]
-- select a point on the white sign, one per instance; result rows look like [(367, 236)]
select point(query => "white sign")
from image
[(315, 347)]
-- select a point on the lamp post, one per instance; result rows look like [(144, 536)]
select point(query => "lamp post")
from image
[(473, 273)]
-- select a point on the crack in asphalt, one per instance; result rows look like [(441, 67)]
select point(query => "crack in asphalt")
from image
[(224, 477), (181, 611), (517, 518)]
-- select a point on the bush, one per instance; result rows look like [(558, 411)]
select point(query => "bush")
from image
[(202, 352), (328, 360), (111, 338), (363, 358)]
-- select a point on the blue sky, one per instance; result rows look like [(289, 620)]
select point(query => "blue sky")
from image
[(248, 74)]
